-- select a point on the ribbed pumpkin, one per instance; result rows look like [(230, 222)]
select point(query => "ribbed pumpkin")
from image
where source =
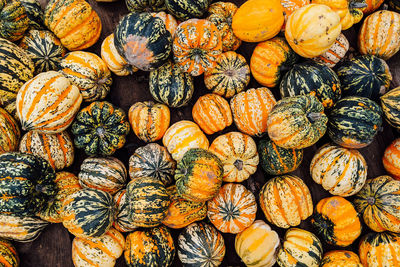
[(100, 129), (337, 51), (391, 107), (238, 154), (339, 170), (197, 46), (8, 254), (200, 244), (121, 222), (144, 5), (34, 12), (270, 59), (21, 229), (230, 75), (280, 195), (380, 249), (289, 6), (170, 22), (297, 122), (372, 5), (309, 33), (182, 212), (354, 121), (13, 20), (336, 221), (212, 113), (391, 159), (74, 22), (257, 245), (187, 9), (9, 132), (48, 103), (341, 258)]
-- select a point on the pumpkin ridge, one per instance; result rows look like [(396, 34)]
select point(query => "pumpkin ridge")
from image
[(83, 256)]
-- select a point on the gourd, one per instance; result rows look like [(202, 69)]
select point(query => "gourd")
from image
[(122, 222), (372, 5), (391, 108), (8, 254), (21, 228), (289, 6), (341, 258), (379, 249), (187, 9), (35, 13), (170, 22), (9, 132), (13, 20), (144, 5), (390, 159), (336, 53)]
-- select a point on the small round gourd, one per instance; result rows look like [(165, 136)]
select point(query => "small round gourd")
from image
[(122, 222), (170, 22), (341, 258), (390, 103), (337, 52), (186, 9), (391, 159), (21, 229), (9, 132), (8, 254), (380, 249), (13, 20)]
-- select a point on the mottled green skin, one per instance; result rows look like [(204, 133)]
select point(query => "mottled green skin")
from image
[(21, 228), (187, 9), (354, 121), (35, 13), (324, 228), (145, 5), (8, 253), (100, 129), (390, 103), (171, 86), (380, 239), (26, 183), (143, 41), (121, 222), (13, 20)]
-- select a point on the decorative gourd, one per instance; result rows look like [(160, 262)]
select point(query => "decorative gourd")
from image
[(143, 41), (372, 5), (289, 6), (233, 209), (336, 221), (121, 222), (21, 229), (200, 244), (391, 159), (279, 195), (354, 121), (312, 78), (13, 20), (57, 149), (341, 258), (309, 33), (149, 120), (170, 22), (144, 5), (230, 75), (182, 136), (380, 34), (297, 122), (337, 51), (380, 249), (9, 132), (391, 108), (238, 154), (187, 9), (339, 170), (48, 103), (251, 109), (8, 254), (212, 113), (89, 73), (100, 129), (74, 22), (257, 245), (34, 12), (269, 59), (197, 46)]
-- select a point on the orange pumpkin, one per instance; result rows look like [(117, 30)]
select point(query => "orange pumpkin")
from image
[(341, 258), (372, 5), (337, 51), (170, 22), (380, 250), (289, 6), (391, 159)]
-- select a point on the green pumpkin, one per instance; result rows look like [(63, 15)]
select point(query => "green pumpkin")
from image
[(21, 228), (354, 121), (100, 129), (390, 103), (13, 20), (8, 254), (35, 13), (187, 9), (145, 5), (121, 222)]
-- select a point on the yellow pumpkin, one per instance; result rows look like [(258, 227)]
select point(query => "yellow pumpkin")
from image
[(341, 258)]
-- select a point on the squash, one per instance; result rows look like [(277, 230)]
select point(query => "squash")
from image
[(354, 121), (21, 229), (144, 5), (372, 5), (35, 13), (336, 53), (8, 254), (200, 244), (170, 22), (100, 129), (9, 132), (336, 221), (233, 209), (339, 170), (149, 121), (257, 245), (309, 33), (212, 113), (47, 103), (297, 122), (289, 6), (341, 258), (238, 154), (187, 9), (391, 159), (13, 20), (380, 249), (270, 59), (121, 222), (197, 45), (391, 108), (230, 75), (279, 195)]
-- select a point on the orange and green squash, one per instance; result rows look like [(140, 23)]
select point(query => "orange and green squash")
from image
[(187, 9), (9, 132), (35, 13), (145, 5), (341, 258), (380, 249), (21, 228), (122, 222), (289, 6), (14, 20), (336, 53), (391, 159), (8, 254), (391, 107), (170, 22)]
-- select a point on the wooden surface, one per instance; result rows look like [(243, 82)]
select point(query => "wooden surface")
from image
[(53, 247)]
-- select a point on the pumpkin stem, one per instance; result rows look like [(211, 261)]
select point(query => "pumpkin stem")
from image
[(314, 116), (354, 4), (371, 201), (102, 81), (42, 188), (238, 164)]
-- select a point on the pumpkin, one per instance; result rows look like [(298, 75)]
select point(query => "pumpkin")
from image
[(251, 110), (309, 33), (230, 75), (391, 159), (89, 73), (300, 248), (198, 175), (48, 103), (121, 222), (144, 5), (336, 221), (289, 6), (8, 254), (74, 22), (149, 120), (279, 195), (143, 41), (341, 258), (257, 245), (391, 108), (380, 249), (212, 113), (13, 20), (171, 86), (182, 136), (21, 228), (297, 122), (197, 45), (57, 149), (233, 209), (100, 129), (187, 9), (238, 154), (354, 121), (34, 12), (337, 52), (170, 22), (372, 5), (9, 132), (149, 247), (380, 34), (200, 244), (339, 170), (182, 212), (312, 78), (270, 59)]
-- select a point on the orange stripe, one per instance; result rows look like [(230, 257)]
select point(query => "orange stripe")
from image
[(62, 15), (23, 93), (62, 143), (376, 33), (83, 256)]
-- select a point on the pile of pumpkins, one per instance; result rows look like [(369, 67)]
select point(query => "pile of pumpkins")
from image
[(50, 88)]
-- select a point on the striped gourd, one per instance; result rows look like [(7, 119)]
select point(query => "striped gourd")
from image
[(9, 132), (340, 258), (380, 249), (57, 149), (186, 9), (337, 51), (8, 254), (21, 229), (170, 22), (390, 103), (34, 12), (13, 20), (391, 159), (48, 103), (144, 5), (121, 222)]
